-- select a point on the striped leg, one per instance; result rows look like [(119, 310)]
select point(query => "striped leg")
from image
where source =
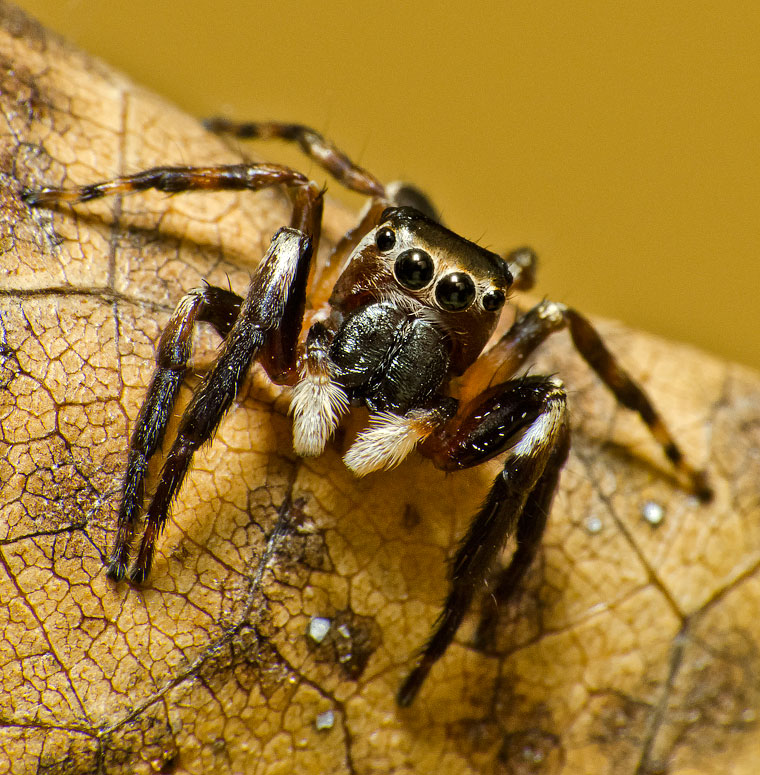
[(629, 394), (174, 180), (312, 143), (530, 330), (321, 151), (306, 217)]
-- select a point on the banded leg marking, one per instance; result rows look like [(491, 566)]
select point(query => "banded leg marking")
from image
[(510, 353), (311, 142)]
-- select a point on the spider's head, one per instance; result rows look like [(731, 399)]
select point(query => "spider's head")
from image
[(421, 266)]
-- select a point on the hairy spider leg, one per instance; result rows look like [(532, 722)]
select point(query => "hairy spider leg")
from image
[(306, 217), (320, 150), (449, 449), (260, 317), (174, 180), (503, 360), (311, 142), (529, 331), (209, 304), (528, 536), (590, 345), (527, 419)]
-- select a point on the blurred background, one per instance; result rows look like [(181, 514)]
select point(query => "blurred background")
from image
[(619, 140)]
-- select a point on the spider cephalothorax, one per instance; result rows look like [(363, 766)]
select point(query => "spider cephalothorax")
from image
[(402, 307), (414, 307)]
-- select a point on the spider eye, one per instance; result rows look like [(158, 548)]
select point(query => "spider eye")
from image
[(385, 239), (455, 291), (493, 300), (414, 269)]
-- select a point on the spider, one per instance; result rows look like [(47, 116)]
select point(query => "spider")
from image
[(403, 307)]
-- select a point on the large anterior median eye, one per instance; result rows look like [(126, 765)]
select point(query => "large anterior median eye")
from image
[(455, 291), (414, 269)]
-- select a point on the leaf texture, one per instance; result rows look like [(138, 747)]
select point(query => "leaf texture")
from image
[(634, 647)]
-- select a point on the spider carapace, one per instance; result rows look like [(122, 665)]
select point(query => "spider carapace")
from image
[(402, 307)]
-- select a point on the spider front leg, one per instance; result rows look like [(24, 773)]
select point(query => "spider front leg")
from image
[(504, 359), (526, 418), (311, 142), (259, 331)]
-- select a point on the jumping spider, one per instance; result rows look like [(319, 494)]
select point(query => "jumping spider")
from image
[(403, 307)]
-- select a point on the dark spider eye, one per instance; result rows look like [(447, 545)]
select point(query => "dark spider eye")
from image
[(492, 300), (455, 291), (414, 269), (385, 239)]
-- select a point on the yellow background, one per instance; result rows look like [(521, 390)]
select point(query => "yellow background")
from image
[(619, 139)]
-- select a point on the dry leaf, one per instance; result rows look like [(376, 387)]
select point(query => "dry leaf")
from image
[(633, 648)]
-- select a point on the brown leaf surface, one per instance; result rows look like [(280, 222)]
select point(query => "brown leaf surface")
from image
[(633, 648)]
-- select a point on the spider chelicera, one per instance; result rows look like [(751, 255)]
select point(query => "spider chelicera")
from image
[(403, 307)]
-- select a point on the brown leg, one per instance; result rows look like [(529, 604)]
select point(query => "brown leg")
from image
[(278, 354), (530, 330), (331, 159), (174, 180), (313, 144), (629, 394)]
